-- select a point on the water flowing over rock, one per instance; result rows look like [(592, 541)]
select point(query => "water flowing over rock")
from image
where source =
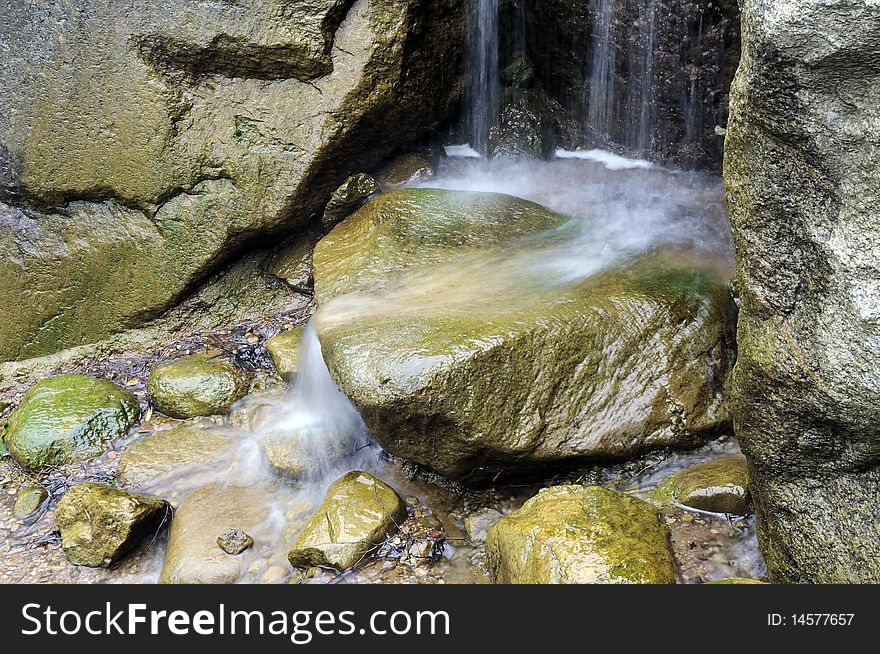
[(100, 524), (801, 170), (141, 149), (580, 535), (476, 339), (199, 385), (68, 418)]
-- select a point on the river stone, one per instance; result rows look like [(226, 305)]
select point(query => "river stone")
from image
[(100, 524), (293, 264), (153, 143), (28, 502), (473, 372), (580, 535), (348, 198), (192, 555), (410, 167), (165, 453), (252, 410), (68, 418), (801, 173), (357, 513), (478, 523), (720, 486), (234, 541), (199, 385), (285, 351)]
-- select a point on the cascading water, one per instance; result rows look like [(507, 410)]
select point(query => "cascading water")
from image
[(600, 105), (482, 61)]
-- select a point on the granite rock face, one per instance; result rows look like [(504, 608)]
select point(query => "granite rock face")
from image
[(801, 170), (141, 149)]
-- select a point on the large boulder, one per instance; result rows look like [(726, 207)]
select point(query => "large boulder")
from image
[(801, 171), (69, 418), (580, 535), (139, 149), (454, 324), (357, 513), (100, 524)]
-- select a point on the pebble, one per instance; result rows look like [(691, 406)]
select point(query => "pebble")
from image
[(234, 541)]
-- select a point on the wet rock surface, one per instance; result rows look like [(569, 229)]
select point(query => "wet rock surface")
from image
[(100, 524), (285, 352), (199, 385), (234, 541), (718, 486), (68, 418), (352, 194), (801, 171), (580, 534)]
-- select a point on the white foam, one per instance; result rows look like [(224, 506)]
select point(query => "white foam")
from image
[(610, 160), (463, 150)]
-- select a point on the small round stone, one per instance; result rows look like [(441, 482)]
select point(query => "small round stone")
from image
[(234, 541)]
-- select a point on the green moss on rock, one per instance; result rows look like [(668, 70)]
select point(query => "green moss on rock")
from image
[(580, 534), (29, 501), (198, 385), (69, 418), (285, 351), (100, 524), (720, 486), (355, 516)]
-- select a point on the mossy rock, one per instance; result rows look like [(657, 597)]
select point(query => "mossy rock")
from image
[(69, 418), (100, 524), (192, 555), (580, 534), (199, 385), (357, 513), (167, 453), (436, 320), (719, 486), (348, 198), (293, 264), (28, 502), (411, 167), (285, 351)]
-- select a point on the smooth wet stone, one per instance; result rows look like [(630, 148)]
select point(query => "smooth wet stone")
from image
[(29, 502), (100, 524), (719, 486), (293, 264), (357, 513), (198, 385), (252, 409), (285, 351), (478, 523), (192, 555), (348, 198), (437, 320), (234, 541), (166, 453), (736, 580), (304, 453), (580, 534), (68, 418), (411, 167)]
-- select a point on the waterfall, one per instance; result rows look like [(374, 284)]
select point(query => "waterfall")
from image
[(482, 61), (602, 73)]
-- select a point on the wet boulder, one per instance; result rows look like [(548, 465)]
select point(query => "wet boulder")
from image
[(528, 123), (357, 513), (199, 385), (445, 318), (348, 198), (411, 167), (68, 418), (193, 555), (293, 264), (284, 349), (580, 535), (100, 524), (165, 454), (719, 486)]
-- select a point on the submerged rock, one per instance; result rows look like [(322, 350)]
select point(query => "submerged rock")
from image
[(100, 524), (357, 513), (166, 453), (68, 418), (192, 555), (29, 502), (348, 198), (478, 523), (147, 179), (285, 351), (199, 385), (720, 486), (442, 322), (580, 534), (293, 264), (801, 172)]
